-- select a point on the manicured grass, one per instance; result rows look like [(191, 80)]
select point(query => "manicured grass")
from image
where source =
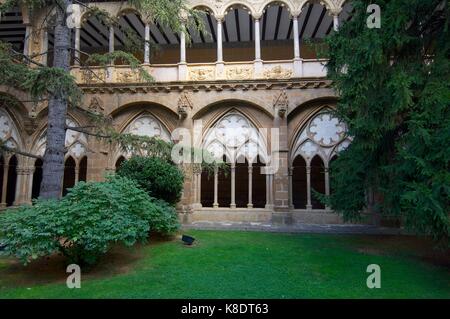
[(225, 264)]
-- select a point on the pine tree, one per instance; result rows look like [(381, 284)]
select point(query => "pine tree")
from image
[(55, 82), (394, 89)]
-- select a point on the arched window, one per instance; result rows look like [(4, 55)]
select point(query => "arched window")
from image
[(69, 174), (322, 138), (37, 179), (236, 139)]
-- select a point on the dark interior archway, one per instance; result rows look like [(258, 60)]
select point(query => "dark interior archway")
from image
[(37, 179), (317, 181), (329, 171), (241, 183), (119, 162), (83, 170), (12, 181), (259, 185), (299, 187), (207, 189), (69, 174)]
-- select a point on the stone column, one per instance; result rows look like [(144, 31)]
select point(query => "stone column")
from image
[(298, 64), (257, 40), (250, 186), (219, 40), (45, 48), (182, 66), (308, 186), (291, 193), (22, 185), (220, 66), (111, 50), (216, 187), (233, 185), (327, 183), (335, 15), (182, 47), (258, 63), (77, 172), (5, 184), (77, 47), (27, 40), (147, 43), (281, 176)]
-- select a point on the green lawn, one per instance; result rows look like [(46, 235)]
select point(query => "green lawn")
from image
[(225, 264)]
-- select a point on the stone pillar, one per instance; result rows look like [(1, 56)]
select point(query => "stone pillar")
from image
[(335, 15), (182, 66), (111, 50), (77, 47), (216, 187), (308, 185), (220, 65), (147, 43), (5, 184), (27, 40), (327, 183), (77, 172), (281, 176), (257, 41), (219, 40), (298, 65), (22, 185), (182, 47), (197, 175), (233, 185), (250, 186), (258, 64), (111, 39), (291, 193), (45, 48)]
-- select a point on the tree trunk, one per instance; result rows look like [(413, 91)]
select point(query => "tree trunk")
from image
[(53, 168)]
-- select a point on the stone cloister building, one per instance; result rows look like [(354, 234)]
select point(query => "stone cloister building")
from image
[(251, 70)]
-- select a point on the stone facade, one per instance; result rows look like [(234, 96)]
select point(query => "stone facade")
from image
[(293, 97)]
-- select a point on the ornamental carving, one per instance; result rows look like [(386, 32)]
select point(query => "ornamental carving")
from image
[(184, 105), (278, 72), (96, 105), (201, 74), (90, 76), (9, 135), (128, 76), (240, 73), (281, 103)]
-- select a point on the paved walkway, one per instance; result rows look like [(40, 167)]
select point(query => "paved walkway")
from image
[(300, 228)]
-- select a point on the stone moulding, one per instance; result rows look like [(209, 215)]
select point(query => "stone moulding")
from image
[(207, 86)]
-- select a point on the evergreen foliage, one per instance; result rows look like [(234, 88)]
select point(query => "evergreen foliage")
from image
[(394, 88)]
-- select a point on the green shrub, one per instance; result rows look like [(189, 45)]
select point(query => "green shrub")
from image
[(84, 224), (159, 178)]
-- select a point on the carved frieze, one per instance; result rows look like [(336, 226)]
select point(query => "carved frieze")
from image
[(278, 72), (90, 76), (127, 76), (201, 74), (240, 73)]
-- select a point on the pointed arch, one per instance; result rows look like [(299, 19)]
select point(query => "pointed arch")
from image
[(9, 134), (233, 135)]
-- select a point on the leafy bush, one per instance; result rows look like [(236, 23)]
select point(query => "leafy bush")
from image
[(84, 224), (161, 179)]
